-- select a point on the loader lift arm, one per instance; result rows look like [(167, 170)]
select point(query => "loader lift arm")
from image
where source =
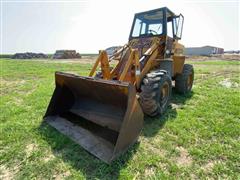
[(137, 67)]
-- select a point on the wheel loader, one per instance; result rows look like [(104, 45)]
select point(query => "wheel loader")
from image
[(104, 112)]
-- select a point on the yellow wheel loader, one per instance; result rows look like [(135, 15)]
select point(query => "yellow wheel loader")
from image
[(104, 112)]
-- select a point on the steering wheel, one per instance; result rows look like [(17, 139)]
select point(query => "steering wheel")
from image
[(152, 31)]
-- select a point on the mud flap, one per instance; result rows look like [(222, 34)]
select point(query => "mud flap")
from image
[(102, 116)]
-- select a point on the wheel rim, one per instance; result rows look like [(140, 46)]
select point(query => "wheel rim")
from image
[(164, 94), (190, 81)]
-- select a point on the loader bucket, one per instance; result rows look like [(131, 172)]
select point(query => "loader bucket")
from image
[(102, 116)]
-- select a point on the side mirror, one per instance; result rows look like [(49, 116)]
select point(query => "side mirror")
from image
[(178, 26)]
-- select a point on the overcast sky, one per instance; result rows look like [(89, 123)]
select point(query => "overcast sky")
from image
[(88, 26)]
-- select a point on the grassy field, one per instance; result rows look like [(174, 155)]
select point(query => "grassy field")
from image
[(198, 137)]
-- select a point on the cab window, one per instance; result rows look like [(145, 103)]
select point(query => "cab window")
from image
[(148, 24)]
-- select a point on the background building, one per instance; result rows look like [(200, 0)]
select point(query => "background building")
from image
[(203, 51)]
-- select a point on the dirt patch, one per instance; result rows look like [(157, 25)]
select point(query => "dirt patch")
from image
[(184, 158), (30, 148), (193, 176), (61, 176), (149, 171), (84, 60), (158, 151), (5, 173), (7, 86), (20, 86), (163, 167), (208, 167), (229, 57), (48, 158), (27, 92), (10, 83), (18, 101), (224, 73), (151, 148), (228, 83), (176, 106)]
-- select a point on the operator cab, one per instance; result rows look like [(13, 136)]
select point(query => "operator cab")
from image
[(157, 22)]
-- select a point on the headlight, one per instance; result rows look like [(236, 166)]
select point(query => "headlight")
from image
[(167, 51)]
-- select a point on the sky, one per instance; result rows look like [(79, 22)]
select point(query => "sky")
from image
[(89, 26)]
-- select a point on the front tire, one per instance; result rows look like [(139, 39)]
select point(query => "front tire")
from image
[(156, 91)]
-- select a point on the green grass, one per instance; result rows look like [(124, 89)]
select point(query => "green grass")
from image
[(198, 137)]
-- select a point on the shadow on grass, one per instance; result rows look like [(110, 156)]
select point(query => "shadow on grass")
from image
[(153, 125), (81, 160), (90, 166)]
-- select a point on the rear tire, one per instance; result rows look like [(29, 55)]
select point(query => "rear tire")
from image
[(184, 81), (156, 91)]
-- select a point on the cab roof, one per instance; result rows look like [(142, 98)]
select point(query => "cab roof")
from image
[(168, 11)]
